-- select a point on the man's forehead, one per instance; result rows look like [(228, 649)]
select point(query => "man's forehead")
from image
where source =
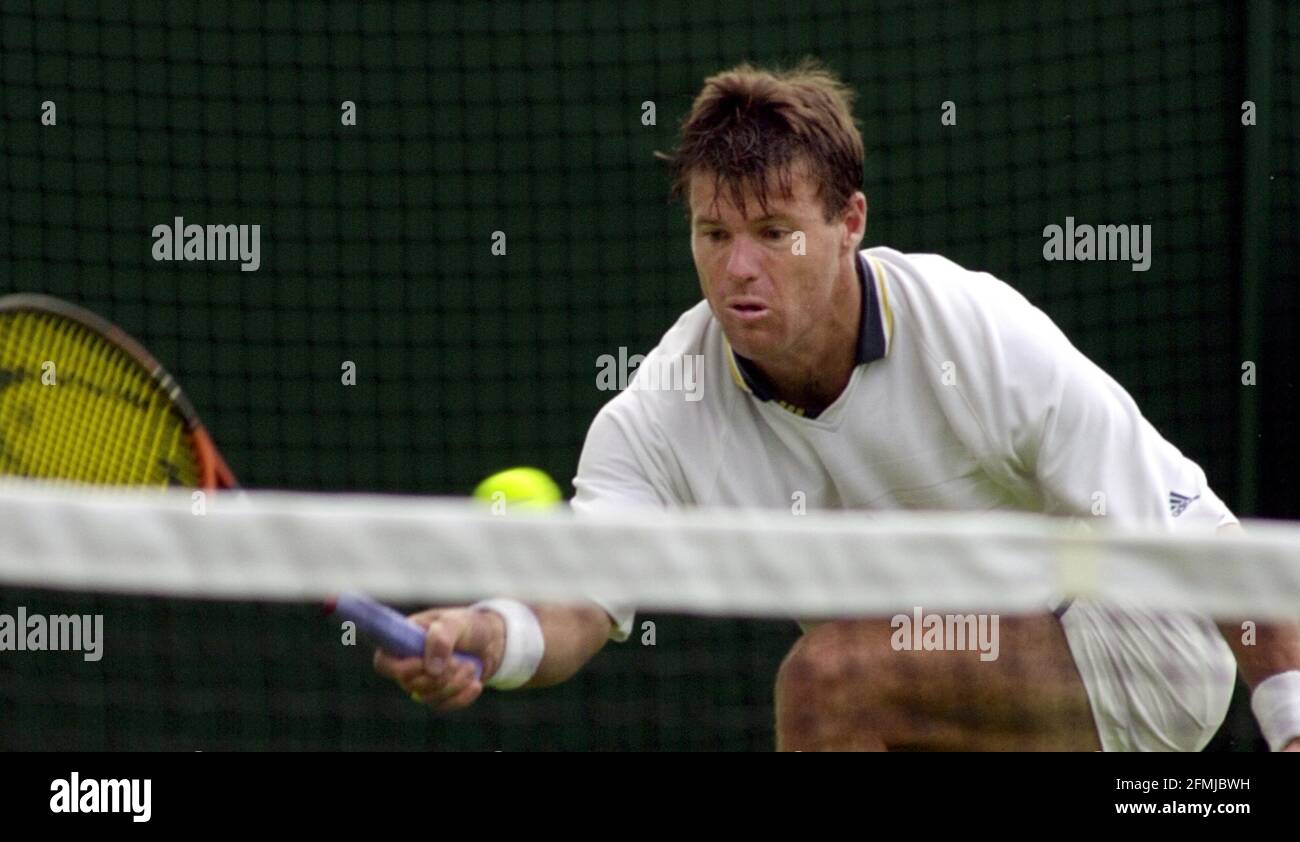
[(713, 197)]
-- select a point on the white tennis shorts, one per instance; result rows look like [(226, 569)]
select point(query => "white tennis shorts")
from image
[(1156, 681)]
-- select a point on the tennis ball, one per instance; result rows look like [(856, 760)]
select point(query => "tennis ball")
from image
[(524, 487)]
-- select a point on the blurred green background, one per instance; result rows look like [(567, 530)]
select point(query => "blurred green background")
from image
[(525, 117)]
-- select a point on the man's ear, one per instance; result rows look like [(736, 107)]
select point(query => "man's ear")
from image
[(855, 220)]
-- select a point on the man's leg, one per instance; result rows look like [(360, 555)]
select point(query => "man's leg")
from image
[(844, 687)]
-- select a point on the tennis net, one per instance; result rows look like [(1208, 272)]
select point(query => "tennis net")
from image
[(212, 635)]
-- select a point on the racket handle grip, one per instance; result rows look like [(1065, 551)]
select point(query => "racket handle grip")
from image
[(394, 633)]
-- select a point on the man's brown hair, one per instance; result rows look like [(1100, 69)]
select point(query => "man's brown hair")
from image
[(751, 127)]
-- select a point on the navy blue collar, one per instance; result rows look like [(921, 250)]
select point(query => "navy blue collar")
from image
[(871, 340)]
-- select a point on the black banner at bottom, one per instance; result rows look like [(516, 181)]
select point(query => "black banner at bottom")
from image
[(318, 791)]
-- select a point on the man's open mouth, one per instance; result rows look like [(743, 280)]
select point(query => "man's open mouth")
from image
[(747, 309)]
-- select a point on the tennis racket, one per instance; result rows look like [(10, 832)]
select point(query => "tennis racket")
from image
[(80, 400)]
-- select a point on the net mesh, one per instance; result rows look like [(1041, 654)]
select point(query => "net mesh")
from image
[(526, 118)]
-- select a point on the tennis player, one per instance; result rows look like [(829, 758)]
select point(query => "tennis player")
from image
[(871, 379)]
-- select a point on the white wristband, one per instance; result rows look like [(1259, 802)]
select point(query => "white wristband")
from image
[(525, 643), (1276, 703)]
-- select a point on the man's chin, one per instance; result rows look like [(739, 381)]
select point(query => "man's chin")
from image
[(752, 343), (752, 335)]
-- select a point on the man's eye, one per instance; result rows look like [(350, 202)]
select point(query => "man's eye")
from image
[(775, 233), (715, 236)]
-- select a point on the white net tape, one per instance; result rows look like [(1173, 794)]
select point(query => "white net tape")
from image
[(280, 546)]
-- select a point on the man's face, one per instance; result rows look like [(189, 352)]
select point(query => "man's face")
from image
[(769, 295)]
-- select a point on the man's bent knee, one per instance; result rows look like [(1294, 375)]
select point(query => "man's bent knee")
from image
[(825, 688)]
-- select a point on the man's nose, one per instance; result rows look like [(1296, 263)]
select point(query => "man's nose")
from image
[(743, 259)]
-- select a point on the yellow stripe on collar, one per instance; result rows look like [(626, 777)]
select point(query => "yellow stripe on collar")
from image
[(731, 364), (886, 310)]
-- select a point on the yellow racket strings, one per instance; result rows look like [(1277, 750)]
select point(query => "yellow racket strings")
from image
[(75, 407)]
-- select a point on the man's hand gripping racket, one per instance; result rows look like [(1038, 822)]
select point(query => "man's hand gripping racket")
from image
[(428, 654)]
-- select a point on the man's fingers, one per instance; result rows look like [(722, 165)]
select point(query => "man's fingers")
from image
[(440, 641), (457, 677), (437, 690), (398, 669), (440, 679), (458, 692), (427, 616), (423, 686), (462, 699), (385, 664), (382, 664), (436, 687)]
